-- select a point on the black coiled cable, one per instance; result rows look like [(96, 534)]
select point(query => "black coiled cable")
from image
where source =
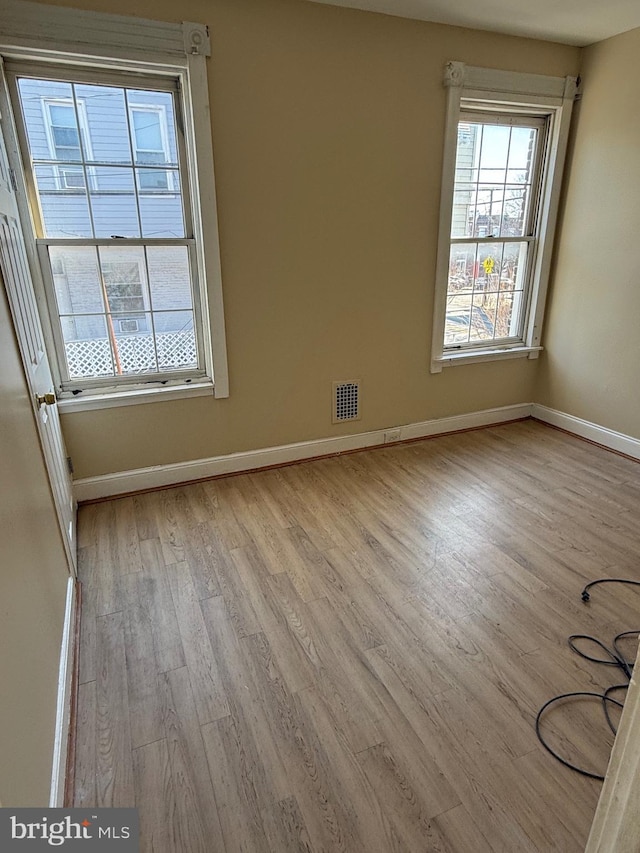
[(614, 657)]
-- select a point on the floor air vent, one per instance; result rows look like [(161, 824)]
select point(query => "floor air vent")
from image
[(346, 402)]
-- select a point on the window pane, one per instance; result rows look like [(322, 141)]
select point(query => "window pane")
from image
[(64, 131), (494, 151), (65, 212), (482, 324), (176, 340), (488, 211), (160, 203), (514, 263), (155, 180), (76, 279), (457, 319), (462, 267), (125, 278), (488, 266), (521, 153), (134, 348), (147, 133), (514, 211), (106, 118), (505, 314), (113, 202), (38, 99), (464, 209), (123, 286), (467, 151), (169, 277), (153, 127), (87, 347)]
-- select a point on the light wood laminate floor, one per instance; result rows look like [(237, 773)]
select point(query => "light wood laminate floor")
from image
[(348, 654)]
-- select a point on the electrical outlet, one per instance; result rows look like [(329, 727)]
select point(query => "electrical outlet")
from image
[(391, 435)]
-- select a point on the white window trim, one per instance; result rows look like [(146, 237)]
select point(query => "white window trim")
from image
[(83, 128), (111, 398), (486, 89), (37, 32)]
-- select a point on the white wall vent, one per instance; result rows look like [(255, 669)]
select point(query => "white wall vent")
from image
[(346, 402)]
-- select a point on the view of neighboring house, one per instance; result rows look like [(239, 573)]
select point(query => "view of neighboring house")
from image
[(105, 164)]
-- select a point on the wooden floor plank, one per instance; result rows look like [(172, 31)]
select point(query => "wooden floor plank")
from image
[(154, 594), (230, 585), (349, 654), (250, 722), (197, 555), (157, 805), (126, 535), (360, 822), (286, 829), (166, 517), (235, 793), (459, 833), (114, 770), (145, 710), (211, 702), (144, 512), (110, 570), (286, 633), (197, 826), (409, 793), (85, 769)]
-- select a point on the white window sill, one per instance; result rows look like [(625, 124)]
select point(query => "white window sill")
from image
[(451, 359), (90, 401)]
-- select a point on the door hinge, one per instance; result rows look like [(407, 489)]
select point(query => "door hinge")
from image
[(70, 464), (14, 183)]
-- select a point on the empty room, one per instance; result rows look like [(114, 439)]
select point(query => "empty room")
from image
[(320, 426)]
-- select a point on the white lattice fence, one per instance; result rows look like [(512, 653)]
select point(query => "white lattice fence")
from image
[(136, 352)]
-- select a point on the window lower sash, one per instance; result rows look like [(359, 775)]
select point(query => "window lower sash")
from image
[(97, 344)]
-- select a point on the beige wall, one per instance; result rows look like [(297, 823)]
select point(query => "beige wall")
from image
[(33, 579), (328, 135), (591, 363)]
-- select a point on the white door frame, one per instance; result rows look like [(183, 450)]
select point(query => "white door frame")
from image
[(18, 274)]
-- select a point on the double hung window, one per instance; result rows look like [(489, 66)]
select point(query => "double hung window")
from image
[(107, 124), (112, 211), (504, 151), (492, 227)]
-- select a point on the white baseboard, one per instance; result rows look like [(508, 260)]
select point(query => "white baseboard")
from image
[(65, 689), (585, 429), (108, 485)]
